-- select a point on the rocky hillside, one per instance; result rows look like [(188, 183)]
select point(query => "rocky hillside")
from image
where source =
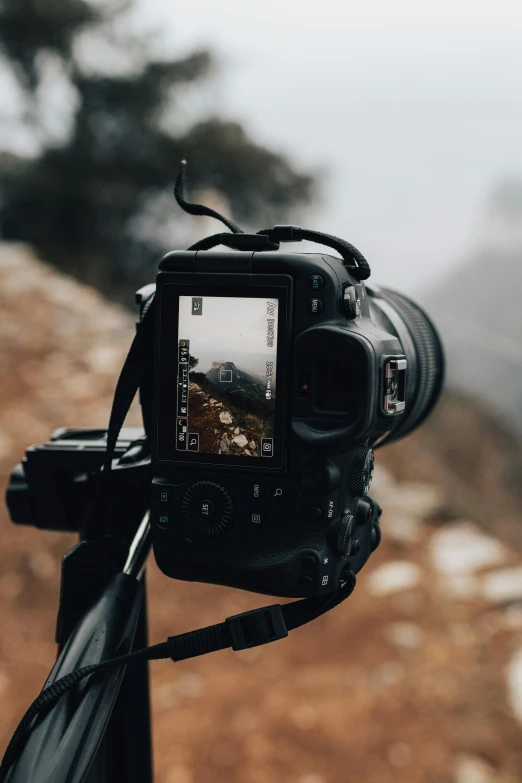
[(417, 678), (217, 426)]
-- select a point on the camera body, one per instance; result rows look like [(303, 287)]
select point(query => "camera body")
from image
[(274, 378)]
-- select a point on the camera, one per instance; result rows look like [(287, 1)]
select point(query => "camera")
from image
[(276, 375)]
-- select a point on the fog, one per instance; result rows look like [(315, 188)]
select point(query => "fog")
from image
[(413, 109)]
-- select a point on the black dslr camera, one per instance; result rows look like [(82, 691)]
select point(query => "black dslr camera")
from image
[(266, 379), (275, 376)]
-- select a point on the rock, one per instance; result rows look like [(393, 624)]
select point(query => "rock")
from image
[(219, 404), (205, 405), (383, 484), (212, 401), (502, 586), (407, 635), (248, 453), (402, 527), (216, 431), (236, 431), (239, 442), (514, 684), (225, 417), (224, 445), (473, 769), (463, 548), (393, 577), (464, 587), (252, 445), (413, 498)]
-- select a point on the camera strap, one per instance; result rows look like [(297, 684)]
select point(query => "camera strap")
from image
[(240, 632), (270, 239)]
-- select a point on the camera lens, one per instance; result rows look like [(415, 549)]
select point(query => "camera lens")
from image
[(423, 350)]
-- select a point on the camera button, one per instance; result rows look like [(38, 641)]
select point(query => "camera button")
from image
[(257, 518), (314, 514), (163, 520), (315, 306), (278, 492), (205, 509), (309, 562), (163, 496), (258, 491), (311, 478), (316, 282)]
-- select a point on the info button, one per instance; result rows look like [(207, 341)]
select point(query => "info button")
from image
[(258, 491)]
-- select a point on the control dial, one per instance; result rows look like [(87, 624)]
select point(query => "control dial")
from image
[(345, 531), (208, 507), (362, 471)]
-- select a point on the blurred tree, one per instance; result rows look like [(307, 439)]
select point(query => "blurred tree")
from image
[(82, 202)]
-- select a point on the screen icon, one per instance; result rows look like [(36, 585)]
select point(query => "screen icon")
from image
[(181, 434), (257, 518), (267, 447), (193, 441), (197, 305)]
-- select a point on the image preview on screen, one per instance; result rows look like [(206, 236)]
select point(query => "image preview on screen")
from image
[(227, 370)]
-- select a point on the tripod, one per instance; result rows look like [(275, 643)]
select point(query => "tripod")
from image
[(100, 731)]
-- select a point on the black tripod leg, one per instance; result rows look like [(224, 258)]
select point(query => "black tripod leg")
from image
[(126, 750)]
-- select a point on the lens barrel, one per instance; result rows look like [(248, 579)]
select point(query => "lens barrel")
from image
[(423, 350)]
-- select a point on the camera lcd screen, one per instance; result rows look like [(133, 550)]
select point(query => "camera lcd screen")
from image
[(227, 375)]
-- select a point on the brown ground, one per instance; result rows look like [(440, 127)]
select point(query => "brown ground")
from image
[(345, 700)]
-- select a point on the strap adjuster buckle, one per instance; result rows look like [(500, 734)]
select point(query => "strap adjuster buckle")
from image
[(285, 234), (256, 627)]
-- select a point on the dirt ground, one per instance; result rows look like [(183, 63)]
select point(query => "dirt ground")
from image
[(416, 678)]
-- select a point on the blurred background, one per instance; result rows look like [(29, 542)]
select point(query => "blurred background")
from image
[(396, 126)]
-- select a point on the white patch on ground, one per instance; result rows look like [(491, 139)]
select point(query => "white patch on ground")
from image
[(463, 587), (393, 577), (502, 586), (407, 635), (514, 684), (472, 769), (462, 548)]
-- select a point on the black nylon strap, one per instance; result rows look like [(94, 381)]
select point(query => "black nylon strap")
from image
[(270, 238), (348, 252), (242, 631)]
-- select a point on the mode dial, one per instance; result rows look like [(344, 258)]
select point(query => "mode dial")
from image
[(362, 471), (208, 507), (350, 304)]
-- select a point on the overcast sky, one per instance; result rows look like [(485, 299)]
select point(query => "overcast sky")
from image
[(229, 329), (415, 109)]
